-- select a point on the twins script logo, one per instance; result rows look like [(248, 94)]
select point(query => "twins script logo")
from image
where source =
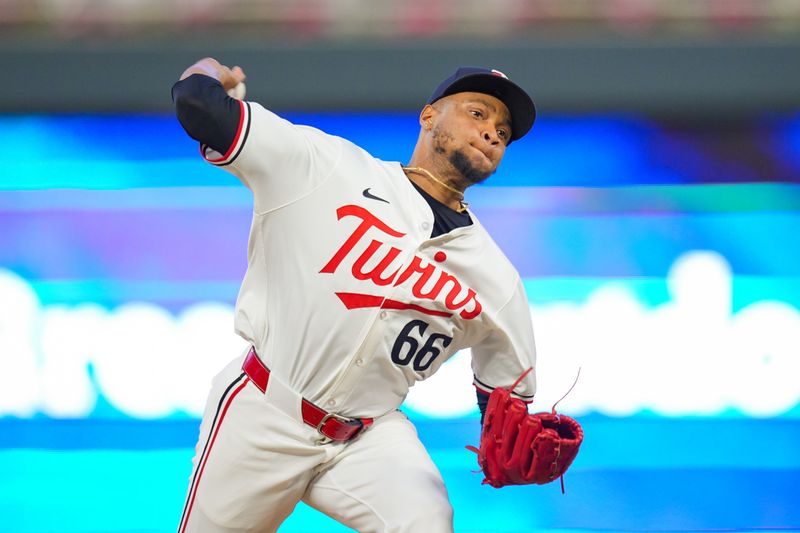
[(421, 272)]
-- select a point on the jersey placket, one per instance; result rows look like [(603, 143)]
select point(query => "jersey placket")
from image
[(359, 363)]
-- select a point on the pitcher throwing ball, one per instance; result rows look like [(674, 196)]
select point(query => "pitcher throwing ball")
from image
[(364, 276)]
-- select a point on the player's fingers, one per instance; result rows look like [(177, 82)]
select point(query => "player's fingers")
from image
[(238, 73), (228, 77)]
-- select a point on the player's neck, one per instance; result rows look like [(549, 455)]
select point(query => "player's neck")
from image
[(439, 187)]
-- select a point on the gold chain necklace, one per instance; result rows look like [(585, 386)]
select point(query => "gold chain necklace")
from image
[(462, 204)]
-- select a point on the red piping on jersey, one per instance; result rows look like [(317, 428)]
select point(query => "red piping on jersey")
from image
[(353, 300), (208, 452), (235, 139)]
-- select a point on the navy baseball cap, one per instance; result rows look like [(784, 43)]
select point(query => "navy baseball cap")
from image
[(494, 83)]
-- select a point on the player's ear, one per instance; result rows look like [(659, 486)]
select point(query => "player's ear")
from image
[(426, 117)]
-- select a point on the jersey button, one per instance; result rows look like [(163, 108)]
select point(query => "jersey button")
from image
[(425, 225), (331, 402), (384, 314), (360, 362)]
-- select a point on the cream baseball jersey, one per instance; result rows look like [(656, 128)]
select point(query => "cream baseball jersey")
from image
[(347, 298)]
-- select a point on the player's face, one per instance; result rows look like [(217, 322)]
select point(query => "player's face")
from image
[(472, 131)]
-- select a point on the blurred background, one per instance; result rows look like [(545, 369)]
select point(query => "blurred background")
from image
[(653, 213)]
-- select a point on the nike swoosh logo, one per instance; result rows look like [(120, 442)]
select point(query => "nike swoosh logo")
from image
[(368, 194)]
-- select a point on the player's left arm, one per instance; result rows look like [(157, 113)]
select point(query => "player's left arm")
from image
[(483, 401), (508, 351), (516, 447)]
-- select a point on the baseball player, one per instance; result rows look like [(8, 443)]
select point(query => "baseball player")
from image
[(364, 276)]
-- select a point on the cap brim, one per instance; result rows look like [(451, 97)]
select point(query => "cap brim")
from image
[(519, 103)]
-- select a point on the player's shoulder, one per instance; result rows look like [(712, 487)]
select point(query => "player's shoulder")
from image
[(268, 121), (491, 251)]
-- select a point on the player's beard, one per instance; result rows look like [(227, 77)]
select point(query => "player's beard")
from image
[(457, 158), (464, 166)]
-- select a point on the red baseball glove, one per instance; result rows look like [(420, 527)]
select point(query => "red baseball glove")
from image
[(518, 448)]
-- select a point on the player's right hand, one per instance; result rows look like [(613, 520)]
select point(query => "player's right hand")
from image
[(228, 77)]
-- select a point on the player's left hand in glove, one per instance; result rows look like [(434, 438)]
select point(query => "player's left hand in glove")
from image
[(518, 448)]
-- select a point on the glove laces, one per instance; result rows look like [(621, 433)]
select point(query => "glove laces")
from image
[(553, 411), (558, 421)]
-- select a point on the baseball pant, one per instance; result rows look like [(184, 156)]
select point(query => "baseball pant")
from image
[(256, 459)]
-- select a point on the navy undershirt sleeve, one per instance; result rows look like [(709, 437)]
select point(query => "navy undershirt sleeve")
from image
[(206, 111), (483, 401)]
